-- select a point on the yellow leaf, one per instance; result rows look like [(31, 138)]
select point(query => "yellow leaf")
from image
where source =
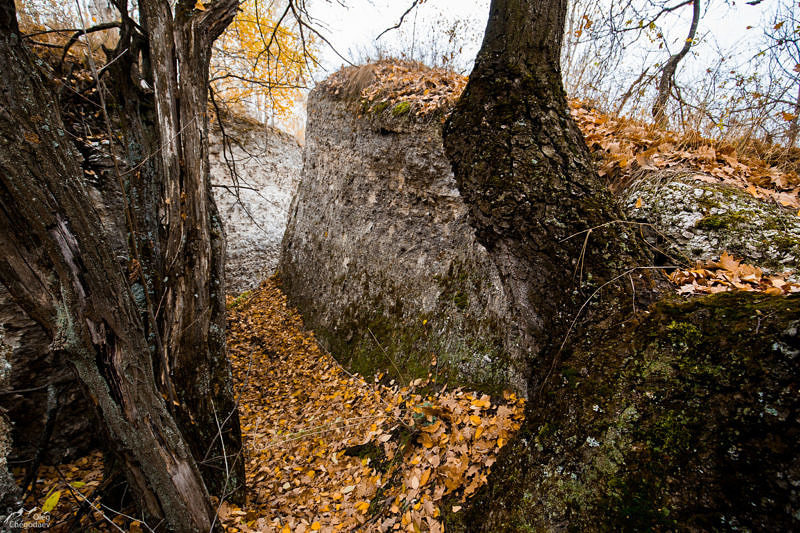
[(362, 507), (286, 529), (199, 6), (475, 419), (638, 203), (426, 475), (500, 442), (478, 433), (316, 526), (51, 501)]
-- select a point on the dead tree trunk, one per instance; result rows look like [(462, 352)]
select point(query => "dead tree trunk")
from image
[(192, 315), (667, 81), (56, 263), (535, 201)]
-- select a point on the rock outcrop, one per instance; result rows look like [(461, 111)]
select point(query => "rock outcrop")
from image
[(378, 254), (684, 420), (691, 220), (681, 418), (267, 163), (380, 258)]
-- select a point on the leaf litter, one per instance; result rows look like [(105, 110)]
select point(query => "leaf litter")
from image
[(730, 274), (325, 450), (328, 451)]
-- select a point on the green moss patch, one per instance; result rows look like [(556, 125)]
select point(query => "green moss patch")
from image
[(684, 420)]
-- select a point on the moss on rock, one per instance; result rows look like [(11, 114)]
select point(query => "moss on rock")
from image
[(686, 420)]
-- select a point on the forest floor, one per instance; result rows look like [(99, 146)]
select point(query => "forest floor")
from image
[(328, 451), (324, 450)]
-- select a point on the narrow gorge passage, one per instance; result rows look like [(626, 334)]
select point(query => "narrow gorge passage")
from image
[(325, 450)]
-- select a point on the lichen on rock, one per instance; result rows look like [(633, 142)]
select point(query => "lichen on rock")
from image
[(690, 220), (682, 422)]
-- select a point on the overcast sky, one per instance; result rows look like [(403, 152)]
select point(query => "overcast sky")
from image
[(353, 27)]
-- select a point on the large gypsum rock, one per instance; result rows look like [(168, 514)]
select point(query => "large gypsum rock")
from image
[(380, 259), (692, 220), (268, 163)]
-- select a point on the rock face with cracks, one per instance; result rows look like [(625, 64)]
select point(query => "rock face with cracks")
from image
[(379, 257)]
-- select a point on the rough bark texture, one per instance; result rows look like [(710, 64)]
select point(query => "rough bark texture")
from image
[(194, 291), (523, 169), (57, 265), (9, 492), (37, 373)]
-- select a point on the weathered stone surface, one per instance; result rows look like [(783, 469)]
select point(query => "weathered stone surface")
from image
[(380, 259), (694, 220), (268, 163)]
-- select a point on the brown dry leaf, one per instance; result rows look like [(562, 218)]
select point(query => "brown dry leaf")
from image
[(729, 274)]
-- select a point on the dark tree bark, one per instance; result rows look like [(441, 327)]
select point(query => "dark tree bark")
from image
[(193, 310), (537, 205), (667, 81), (56, 263), (176, 258)]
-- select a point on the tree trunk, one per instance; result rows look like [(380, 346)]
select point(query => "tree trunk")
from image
[(536, 203), (193, 311), (56, 263), (668, 72), (794, 125)]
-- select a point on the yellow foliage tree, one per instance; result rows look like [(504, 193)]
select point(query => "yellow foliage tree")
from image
[(263, 60)]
